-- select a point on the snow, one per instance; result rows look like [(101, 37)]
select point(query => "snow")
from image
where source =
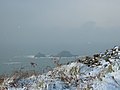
[(75, 76)]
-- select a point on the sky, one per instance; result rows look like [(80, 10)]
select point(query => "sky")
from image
[(50, 26)]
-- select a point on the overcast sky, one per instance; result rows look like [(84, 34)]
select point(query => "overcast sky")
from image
[(49, 26)]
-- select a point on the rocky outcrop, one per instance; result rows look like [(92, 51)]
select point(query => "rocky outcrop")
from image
[(97, 72)]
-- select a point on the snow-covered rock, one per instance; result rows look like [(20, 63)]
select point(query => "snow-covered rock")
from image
[(99, 72)]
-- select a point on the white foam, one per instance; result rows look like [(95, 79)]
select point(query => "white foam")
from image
[(30, 56), (10, 63)]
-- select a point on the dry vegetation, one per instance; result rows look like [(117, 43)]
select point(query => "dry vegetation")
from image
[(76, 74)]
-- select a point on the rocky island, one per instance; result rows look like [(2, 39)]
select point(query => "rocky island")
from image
[(65, 54), (39, 55)]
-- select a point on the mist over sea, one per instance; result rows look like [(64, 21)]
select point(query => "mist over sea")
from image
[(24, 63), (10, 62), (83, 27)]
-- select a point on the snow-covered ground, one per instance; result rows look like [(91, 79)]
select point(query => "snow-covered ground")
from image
[(98, 72)]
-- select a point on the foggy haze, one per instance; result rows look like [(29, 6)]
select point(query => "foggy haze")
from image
[(50, 26)]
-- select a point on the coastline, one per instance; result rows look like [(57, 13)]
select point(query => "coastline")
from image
[(97, 72)]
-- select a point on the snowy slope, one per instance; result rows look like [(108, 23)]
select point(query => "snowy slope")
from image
[(98, 72)]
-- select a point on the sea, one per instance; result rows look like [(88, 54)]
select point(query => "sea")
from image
[(17, 63)]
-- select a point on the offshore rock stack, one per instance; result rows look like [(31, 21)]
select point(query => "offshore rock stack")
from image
[(98, 72)]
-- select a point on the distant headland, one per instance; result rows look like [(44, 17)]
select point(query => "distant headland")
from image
[(60, 54)]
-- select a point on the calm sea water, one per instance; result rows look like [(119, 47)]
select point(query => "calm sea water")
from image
[(18, 62)]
